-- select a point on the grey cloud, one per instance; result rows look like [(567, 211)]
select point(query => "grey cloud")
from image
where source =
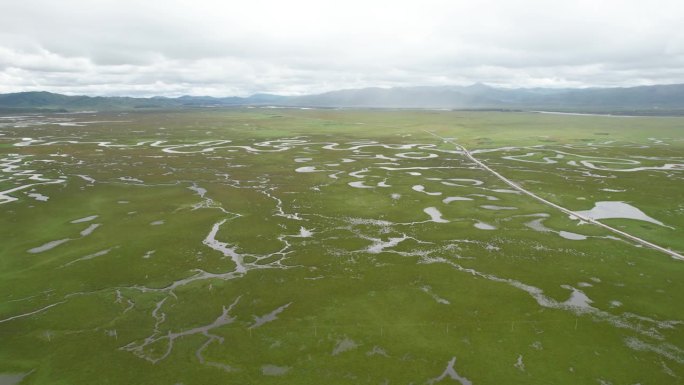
[(212, 47)]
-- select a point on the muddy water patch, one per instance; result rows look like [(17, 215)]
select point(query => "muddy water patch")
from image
[(484, 226), (505, 191), (458, 182), (307, 169), (454, 199), (198, 190), (577, 299), (450, 372), (579, 304), (618, 209), (130, 179), (304, 233), (273, 370), (538, 225), (344, 345), (37, 196), (428, 290), (86, 178), (519, 364), (435, 215), (90, 256), (359, 184), (487, 197), (145, 349), (417, 155), (572, 236), (224, 248), (89, 230), (421, 188), (48, 246), (358, 173), (12, 378), (379, 245), (498, 208), (85, 219), (270, 317)]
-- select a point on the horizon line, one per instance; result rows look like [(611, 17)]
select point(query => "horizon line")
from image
[(343, 89)]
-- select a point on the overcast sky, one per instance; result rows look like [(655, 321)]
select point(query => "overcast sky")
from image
[(221, 48)]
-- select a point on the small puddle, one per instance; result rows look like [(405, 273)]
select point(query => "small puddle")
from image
[(13, 378), (435, 215), (454, 199), (421, 188), (494, 207), (48, 246), (39, 197), (359, 184), (572, 236), (344, 345), (484, 226), (85, 219), (270, 317), (273, 370), (307, 169), (89, 230)]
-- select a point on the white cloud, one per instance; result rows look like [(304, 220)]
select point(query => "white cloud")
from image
[(220, 48)]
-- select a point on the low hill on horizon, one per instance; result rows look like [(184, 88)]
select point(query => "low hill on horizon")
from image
[(657, 99), (479, 96)]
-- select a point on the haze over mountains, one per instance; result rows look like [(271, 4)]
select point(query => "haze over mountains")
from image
[(657, 99)]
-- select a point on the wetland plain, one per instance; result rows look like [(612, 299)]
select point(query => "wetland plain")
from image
[(310, 246)]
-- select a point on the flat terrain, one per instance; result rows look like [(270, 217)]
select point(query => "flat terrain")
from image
[(298, 246)]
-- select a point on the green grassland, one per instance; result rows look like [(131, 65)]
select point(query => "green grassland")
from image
[(293, 246)]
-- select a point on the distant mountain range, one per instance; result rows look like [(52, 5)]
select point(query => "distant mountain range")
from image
[(657, 99), (52, 101)]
